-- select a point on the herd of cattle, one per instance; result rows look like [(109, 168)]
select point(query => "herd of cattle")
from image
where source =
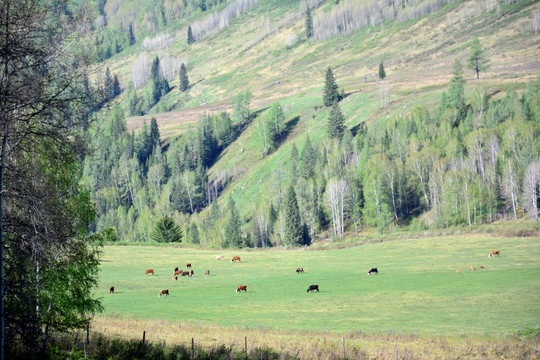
[(177, 272)]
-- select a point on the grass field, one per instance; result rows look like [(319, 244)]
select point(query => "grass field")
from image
[(418, 290)]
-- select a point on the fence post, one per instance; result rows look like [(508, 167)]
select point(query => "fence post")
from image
[(343, 341), (245, 343), (192, 348), (396, 353), (143, 336)]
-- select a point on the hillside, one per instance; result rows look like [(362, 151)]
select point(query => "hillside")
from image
[(264, 50)]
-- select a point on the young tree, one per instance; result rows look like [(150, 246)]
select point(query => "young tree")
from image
[(336, 122), (233, 229), (294, 164), (477, 60), (293, 223), (309, 23), (456, 93), (184, 81), (117, 90), (330, 92), (382, 73), (108, 86), (190, 38), (241, 104), (166, 231)]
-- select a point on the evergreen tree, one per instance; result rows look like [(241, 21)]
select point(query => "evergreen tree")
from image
[(294, 164), (308, 160), (190, 38), (194, 233), (131, 35), (309, 23), (330, 92), (456, 93), (382, 73), (294, 233), (184, 81), (166, 231), (477, 60), (117, 90), (155, 139), (108, 87), (233, 232), (336, 122)]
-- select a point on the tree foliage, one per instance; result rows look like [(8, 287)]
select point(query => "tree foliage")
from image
[(166, 231), (330, 91), (382, 73), (184, 81), (477, 60)]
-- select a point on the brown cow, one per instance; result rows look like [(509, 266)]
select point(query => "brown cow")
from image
[(219, 257), (111, 290), (185, 273), (470, 267), (149, 271), (175, 278), (236, 258), (494, 252), (188, 265), (163, 293), (190, 273), (178, 272), (300, 270), (241, 288), (175, 270), (207, 272)]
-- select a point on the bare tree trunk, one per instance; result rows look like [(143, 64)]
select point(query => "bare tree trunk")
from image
[(2, 244)]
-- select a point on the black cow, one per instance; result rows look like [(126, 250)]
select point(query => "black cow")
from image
[(313, 288), (373, 271)]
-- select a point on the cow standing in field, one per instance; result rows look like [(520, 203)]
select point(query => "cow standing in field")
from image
[(300, 270), (494, 252), (236, 258), (207, 272), (188, 265), (373, 271), (111, 290), (313, 288), (178, 272), (149, 271), (241, 288), (175, 277), (175, 271), (219, 257), (191, 273), (185, 273), (163, 293)]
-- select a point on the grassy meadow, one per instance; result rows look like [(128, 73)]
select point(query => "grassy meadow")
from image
[(418, 290)]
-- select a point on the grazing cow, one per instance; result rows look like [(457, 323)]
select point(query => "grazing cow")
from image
[(207, 272), (175, 277), (149, 271), (178, 272), (300, 270), (470, 267), (494, 252), (241, 288), (313, 288), (175, 270), (191, 273), (219, 257), (188, 265), (373, 271), (111, 290), (236, 258), (163, 293), (185, 273)]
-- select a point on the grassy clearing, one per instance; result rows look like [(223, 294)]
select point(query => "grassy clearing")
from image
[(418, 290)]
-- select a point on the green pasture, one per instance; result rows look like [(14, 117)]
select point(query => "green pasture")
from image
[(417, 290)]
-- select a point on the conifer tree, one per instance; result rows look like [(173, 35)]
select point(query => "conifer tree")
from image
[(294, 164), (116, 86), (131, 35), (190, 38), (308, 160), (477, 60), (456, 93), (309, 23), (336, 122), (184, 81), (293, 224), (330, 94), (382, 73), (166, 230), (108, 86), (233, 233)]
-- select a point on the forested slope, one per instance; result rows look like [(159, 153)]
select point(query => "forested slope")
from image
[(252, 157)]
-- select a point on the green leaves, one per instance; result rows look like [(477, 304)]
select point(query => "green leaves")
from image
[(166, 231)]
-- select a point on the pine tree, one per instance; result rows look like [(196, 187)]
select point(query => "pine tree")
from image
[(308, 160), (117, 90), (336, 122), (190, 38), (477, 61), (108, 86), (456, 93), (330, 94), (309, 23), (166, 230), (294, 234), (382, 73), (131, 35), (184, 81), (294, 164), (233, 232), (154, 133)]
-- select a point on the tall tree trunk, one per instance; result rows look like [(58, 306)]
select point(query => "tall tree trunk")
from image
[(2, 244)]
